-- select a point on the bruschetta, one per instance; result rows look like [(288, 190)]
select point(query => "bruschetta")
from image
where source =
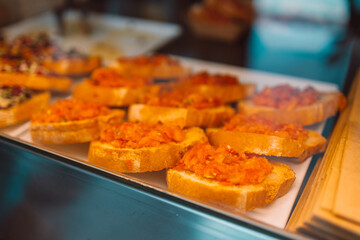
[(158, 66), (286, 104), (185, 110), (70, 63), (229, 179), (107, 86), (142, 147), (72, 121), (255, 134), (223, 86), (18, 103), (32, 76)]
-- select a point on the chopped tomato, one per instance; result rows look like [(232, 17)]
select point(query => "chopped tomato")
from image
[(69, 110), (182, 100), (139, 135), (225, 165), (286, 97), (258, 124)]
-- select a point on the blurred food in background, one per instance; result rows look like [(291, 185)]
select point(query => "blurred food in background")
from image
[(223, 20)]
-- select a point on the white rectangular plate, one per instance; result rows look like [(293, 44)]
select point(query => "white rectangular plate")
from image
[(275, 214)]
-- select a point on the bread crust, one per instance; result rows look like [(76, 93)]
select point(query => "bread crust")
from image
[(38, 82), (73, 131), (239, 198), (111, 96), (73, 67), (326, 107), (184, 117), (23, 111), (143, 159), (268, 145)]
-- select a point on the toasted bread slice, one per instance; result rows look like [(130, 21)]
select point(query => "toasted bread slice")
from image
[(112, 96), (34, 81), (73, 131), (268, 145), (239, 198), (327, 106), (23, 111), (73, 67), (183, 117), (144, 159)]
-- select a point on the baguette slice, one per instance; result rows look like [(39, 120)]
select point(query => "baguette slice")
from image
[(183, 117), (23, 111), (73, 131), (73, 67), (112, 96), (326, 107), (143, 159), (268, 145), (34, 81), (239, 198)]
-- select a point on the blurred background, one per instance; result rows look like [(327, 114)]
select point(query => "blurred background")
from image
[(316, 39)]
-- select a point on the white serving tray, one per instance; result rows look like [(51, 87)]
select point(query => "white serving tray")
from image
[(275, 215), (111, 36)]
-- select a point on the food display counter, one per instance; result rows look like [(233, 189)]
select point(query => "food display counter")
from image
[(54, 192)]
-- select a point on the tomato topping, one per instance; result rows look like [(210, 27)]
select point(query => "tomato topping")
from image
[(70, 110), (258, 124), (182, 100), (225, 165), (110, 77), (213, 79), (286, 97), (139, 135)]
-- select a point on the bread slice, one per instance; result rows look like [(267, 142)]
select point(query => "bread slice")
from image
[(327, 106), (73, 131), (239, 198), (112, 96), (34, 81), (73, 66), (23, 111), (183, 117), (268, 145), (143, 159)]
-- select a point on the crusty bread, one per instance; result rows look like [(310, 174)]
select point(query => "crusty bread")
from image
[(239, 198), (73, 131), (23, 111), (183, 117), (144, 159), (268, 145), (34, 81), (112, 96), (327, 106), (73, 67)]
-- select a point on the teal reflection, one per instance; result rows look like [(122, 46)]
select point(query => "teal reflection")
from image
[(288, 39)]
